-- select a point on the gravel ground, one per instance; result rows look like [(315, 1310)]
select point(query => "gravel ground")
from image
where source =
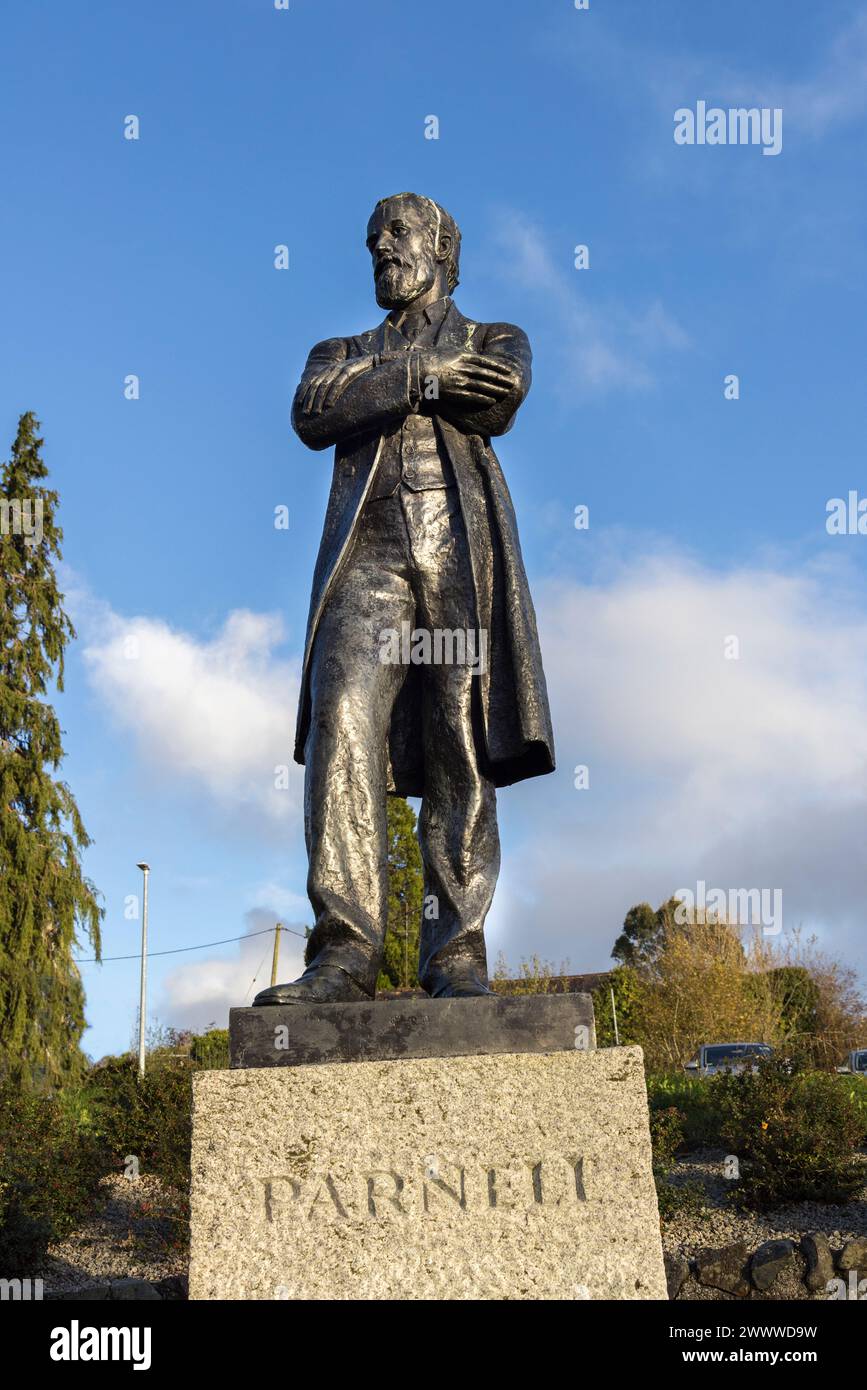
[(718, 1224), (128, 1237)]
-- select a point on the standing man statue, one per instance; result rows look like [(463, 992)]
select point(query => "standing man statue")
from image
[(420, 541)]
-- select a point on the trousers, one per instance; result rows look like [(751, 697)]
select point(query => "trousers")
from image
[(410, 566)]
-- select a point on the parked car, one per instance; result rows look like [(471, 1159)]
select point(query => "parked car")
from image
[(734, 1057), (856, 1063)]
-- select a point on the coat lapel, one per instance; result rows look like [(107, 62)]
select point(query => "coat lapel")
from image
[(455, 330)]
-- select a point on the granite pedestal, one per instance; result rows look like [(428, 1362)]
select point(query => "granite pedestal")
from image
[(522, 1174)]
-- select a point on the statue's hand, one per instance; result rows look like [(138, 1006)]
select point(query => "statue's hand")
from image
[(326, 387), (473, 379)]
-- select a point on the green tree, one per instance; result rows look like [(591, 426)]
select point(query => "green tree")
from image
[(628, 989), (405, 898), (642, 940), (44, 897), (799, 999)]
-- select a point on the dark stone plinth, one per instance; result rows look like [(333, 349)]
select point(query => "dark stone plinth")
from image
[(387, 1030)]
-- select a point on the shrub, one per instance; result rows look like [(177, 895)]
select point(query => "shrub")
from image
[(50, 1170), (856, 1089), (666, 1135), (679, 1199), (210, 1051), (534, 976), (149, 1118), (694, 1101), (795, 1130), (628, 990)]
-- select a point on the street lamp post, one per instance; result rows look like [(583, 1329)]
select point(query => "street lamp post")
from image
[(145, 868)]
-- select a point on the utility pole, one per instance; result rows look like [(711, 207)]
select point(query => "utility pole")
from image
[(277, 930), (142, 1007)]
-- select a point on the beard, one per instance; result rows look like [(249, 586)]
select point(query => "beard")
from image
[(398, 283)]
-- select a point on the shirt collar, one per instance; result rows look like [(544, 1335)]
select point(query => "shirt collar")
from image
[(433, 313)]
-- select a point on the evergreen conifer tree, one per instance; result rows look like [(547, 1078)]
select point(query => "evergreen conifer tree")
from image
[(405, 895), (44, 897)]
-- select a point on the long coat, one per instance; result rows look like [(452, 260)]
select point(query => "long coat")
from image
[(514, 738)]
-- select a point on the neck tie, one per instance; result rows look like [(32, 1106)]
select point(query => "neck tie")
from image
[(412, 326)]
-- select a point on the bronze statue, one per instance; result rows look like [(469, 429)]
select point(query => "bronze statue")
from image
[(420, 548)]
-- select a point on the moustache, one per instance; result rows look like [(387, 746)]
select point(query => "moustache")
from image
[(386, 261)]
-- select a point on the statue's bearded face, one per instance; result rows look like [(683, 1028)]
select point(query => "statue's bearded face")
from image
[(400, 239)]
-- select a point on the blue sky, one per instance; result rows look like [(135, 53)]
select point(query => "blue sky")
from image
[(261, 127)]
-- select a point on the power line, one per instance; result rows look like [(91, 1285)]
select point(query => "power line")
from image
[(93, 960), (256, 976)]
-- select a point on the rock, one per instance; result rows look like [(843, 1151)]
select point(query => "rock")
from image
[(789, 1283), (771, 1258), (676, 1271), (693, 1292), (724, 1269), (174, 1286), (138, 1289), (97, 1292), (854, 1255), (820, 1261)]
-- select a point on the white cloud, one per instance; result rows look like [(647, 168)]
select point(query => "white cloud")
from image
[(288, 903), (746, 773), (838, 92), (602, 345), (201, 992), (218, 713), (832, 93), (639, 665)]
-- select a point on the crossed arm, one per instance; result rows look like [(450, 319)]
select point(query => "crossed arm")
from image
[(479, 392)]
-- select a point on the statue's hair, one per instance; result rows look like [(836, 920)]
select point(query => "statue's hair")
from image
[(442, 220)]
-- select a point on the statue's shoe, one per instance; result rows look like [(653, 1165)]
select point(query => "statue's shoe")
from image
[(321, 984), (464, 984)]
